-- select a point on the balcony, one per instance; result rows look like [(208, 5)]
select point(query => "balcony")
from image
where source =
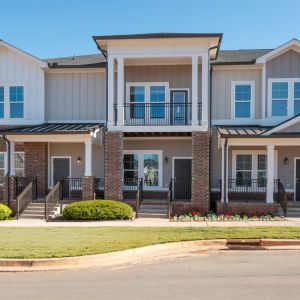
[(158, 114)]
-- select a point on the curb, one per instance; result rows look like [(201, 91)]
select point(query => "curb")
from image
[(144, 254)]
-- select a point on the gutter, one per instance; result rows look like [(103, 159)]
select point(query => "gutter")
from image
[(225, 170), (8, 168)]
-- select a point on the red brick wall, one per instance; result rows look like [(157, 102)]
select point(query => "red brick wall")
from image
[(245, 207), (200, 170), (88, 188), (113, 165), (36, 165)]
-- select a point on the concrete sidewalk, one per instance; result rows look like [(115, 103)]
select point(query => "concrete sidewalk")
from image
[(147, 222)]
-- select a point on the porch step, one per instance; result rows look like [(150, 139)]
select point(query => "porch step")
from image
[(153, 208), (34, 211), (292, 212), (152, 215), (155, 201)]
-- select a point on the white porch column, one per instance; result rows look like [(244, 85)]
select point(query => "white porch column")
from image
[(195, 90), (270, 173), (204, 98), (110, 91), (120, 61), (88, 157), (12, 159)]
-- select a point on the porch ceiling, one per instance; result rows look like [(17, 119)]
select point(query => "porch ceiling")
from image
[(156, 134)]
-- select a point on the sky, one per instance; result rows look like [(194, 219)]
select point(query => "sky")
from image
[(55, 28)]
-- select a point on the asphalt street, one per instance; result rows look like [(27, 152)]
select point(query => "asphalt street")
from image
[(212, 275)]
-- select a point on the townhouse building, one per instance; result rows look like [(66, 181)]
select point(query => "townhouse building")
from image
[(167, 122)]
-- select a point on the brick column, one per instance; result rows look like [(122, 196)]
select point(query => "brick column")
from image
[(200, 170), (36, 165), (113, 165), (88, 187)]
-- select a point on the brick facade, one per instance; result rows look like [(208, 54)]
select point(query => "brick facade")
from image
[(251, 208), (36, 165), (88, 188), (113, 165), (200, 171)]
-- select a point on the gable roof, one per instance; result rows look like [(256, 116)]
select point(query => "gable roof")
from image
[(81, 61), (22, 53), (283, 125), (292, 44)]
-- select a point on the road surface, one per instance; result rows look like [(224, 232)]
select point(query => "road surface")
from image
[(213, 275)]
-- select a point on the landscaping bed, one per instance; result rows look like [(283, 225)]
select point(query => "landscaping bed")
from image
[(47, 242), (211, 217)]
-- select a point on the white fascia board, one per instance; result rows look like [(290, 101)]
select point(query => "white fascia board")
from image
[(279, 50), (31, 57), (54, 138)]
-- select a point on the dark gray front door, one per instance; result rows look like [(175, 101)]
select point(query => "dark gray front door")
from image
[(61, 169), (183, 178), (297, 180)]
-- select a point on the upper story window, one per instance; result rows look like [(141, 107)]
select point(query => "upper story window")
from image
[(157, 95), (242, 99), (137, 95), (284, 97), (1, 101), (16, 99)]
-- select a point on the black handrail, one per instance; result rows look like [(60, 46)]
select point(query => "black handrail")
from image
[(139, 197), (23, 182), (282, 197), (71, 188)]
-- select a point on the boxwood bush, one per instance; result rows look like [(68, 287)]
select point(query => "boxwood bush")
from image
[(5, 212), (98, 210)]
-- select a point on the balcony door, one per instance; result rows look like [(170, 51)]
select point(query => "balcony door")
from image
[(179, 108)]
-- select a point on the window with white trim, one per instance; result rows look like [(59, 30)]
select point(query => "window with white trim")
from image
[(1, 102), (2, 166), (19, 164), (16, 100), (284, 97), (242, 99), (243, 171), (142, 164)]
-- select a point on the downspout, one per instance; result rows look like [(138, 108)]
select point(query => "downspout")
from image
[(8, 167), (225, 170)]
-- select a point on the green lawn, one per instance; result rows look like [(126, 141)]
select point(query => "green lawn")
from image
[(34, 242)]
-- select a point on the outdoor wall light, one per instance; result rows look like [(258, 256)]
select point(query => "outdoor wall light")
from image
[(166, 159), (286, 161), (78, 159)]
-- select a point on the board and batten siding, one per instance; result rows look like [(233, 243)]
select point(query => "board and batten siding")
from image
[(17, 69), (221, 91), (178, 76), (76, 96)]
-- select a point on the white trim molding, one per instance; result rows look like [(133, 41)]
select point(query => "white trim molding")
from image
[(252, 99)]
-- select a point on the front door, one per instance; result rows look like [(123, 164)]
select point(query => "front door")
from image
[(183, 178), (297, 180), (61, 168), (179, 108)]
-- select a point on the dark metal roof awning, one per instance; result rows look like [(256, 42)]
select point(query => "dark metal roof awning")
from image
[(53, 128), (241, 131)]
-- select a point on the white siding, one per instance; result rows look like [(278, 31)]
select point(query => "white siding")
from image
[(17, 69)]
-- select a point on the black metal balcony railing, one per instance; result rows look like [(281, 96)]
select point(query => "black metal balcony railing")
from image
[(250, 185), (157, 114)]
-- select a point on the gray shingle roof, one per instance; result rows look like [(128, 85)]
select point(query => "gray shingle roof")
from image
[(240, 56), (81, 61), (53, 128)]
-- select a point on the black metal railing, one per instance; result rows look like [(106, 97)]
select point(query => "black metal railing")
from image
[(157, 114), (282, 197), (99, 188), (23, 182), (52, 199), (130, 187), (24, 199), (139, 197), (255, 189), (182, 189), (71, 188)]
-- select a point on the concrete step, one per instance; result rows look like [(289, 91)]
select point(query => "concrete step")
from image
[(155, 201), (37, 217), (294, 209), (147, 206), (152, 215), (293, 214)]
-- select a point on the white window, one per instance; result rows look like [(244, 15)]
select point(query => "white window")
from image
[(2, 166), (284, 97), (147, 99), (242, 94), (250, 168), (142, 164), (19, 164), (12, 99)]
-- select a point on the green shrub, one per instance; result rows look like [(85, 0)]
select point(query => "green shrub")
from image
[(5, 212), (98, 210)]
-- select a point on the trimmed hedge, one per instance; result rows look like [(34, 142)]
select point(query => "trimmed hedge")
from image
[(98, 210), (5, 212)]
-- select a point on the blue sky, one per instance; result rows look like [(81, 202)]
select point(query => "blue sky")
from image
[(51, 28)]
